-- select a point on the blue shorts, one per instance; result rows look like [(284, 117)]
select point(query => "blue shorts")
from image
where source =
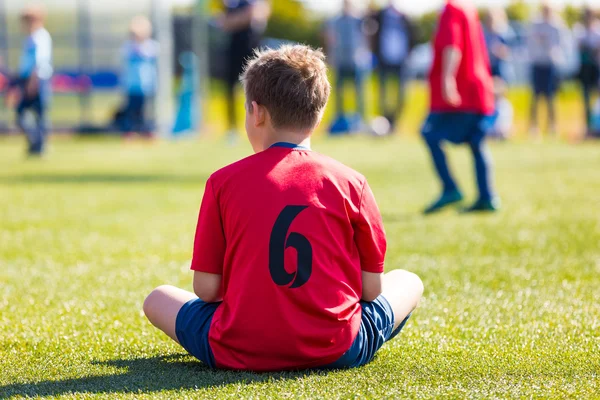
[(377, 327), (192, 326), (457, 127), (544, 79)]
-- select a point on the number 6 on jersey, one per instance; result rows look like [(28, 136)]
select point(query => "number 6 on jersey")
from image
[(280, 241)]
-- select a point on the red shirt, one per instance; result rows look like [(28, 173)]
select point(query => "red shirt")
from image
[(459, 27), (290, 231)]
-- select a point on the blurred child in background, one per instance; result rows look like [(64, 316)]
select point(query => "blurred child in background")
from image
[(348, 53), (245, 21), (588, 40), (392, 40), (33, 80), (462, 103), (504, 114), (140, 75), (498, 34), (545, 49)]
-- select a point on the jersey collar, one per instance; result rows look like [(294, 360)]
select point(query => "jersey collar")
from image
[(287, 145)]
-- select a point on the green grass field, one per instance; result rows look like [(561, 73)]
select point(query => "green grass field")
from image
[(511, 305)]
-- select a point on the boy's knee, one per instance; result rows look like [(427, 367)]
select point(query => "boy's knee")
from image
[(411, 279), (152, 299)]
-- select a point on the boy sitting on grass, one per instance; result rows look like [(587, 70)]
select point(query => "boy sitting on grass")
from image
[(289, 250)]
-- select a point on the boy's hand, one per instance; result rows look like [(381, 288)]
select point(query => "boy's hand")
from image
[(450, 91), (32, 87)]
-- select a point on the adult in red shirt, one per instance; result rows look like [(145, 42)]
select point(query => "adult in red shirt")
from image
[(462, 102), (289, 248)]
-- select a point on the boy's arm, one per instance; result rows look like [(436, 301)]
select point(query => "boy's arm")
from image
[(370, 240), (209, 249), (372, 285), (451, 41), (208, 286)]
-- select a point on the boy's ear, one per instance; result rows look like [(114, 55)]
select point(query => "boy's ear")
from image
[(259, 114)]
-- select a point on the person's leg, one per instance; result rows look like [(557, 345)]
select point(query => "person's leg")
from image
[(403, 291), (128, 115), (162, 306), (535, 94), (21, 114), (586, 90), (41, 129), (383, 81), (359, 85), (230, 97), (551, 106), (434, 139), (340, 78), (138, 115), (483, 167), (400, 72), (383, 318)]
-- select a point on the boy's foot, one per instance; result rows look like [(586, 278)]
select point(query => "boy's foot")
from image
[(445, 199), (484, 206)]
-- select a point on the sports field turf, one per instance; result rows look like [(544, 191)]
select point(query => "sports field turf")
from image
[(511, 305)]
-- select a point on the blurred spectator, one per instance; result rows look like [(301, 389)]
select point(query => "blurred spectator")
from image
[(588, 40), (140, 75), (545, 48), (348, 54), (503, 116), (392, 39), (35, 72), (462, 102), (498, 34), (245, 21)]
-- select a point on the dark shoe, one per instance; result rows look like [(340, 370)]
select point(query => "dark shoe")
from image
[(484, 206), (445, 199)]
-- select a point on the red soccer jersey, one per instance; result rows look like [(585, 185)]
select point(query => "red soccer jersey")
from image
[(459, 27), (290, 231)]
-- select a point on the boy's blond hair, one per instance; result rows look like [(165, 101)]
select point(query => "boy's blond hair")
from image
[(291, 83)]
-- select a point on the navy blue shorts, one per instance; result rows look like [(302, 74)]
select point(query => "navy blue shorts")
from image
[(544, 79), (192, 326), (457, 127), (376, 328)]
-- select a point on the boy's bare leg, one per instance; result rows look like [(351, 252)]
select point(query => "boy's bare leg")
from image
[(403, 290), (162, 306)]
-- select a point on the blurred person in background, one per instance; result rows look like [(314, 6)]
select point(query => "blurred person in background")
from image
[(140, 75), (498, 34), (245, 21), (545, 49), (462, 102), (393, 37), (33, 80), (348, 53), (588, 41), (501, 127)]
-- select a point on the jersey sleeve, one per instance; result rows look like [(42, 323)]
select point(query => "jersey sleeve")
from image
[(369, 234), (209, 242), (450, 32)]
